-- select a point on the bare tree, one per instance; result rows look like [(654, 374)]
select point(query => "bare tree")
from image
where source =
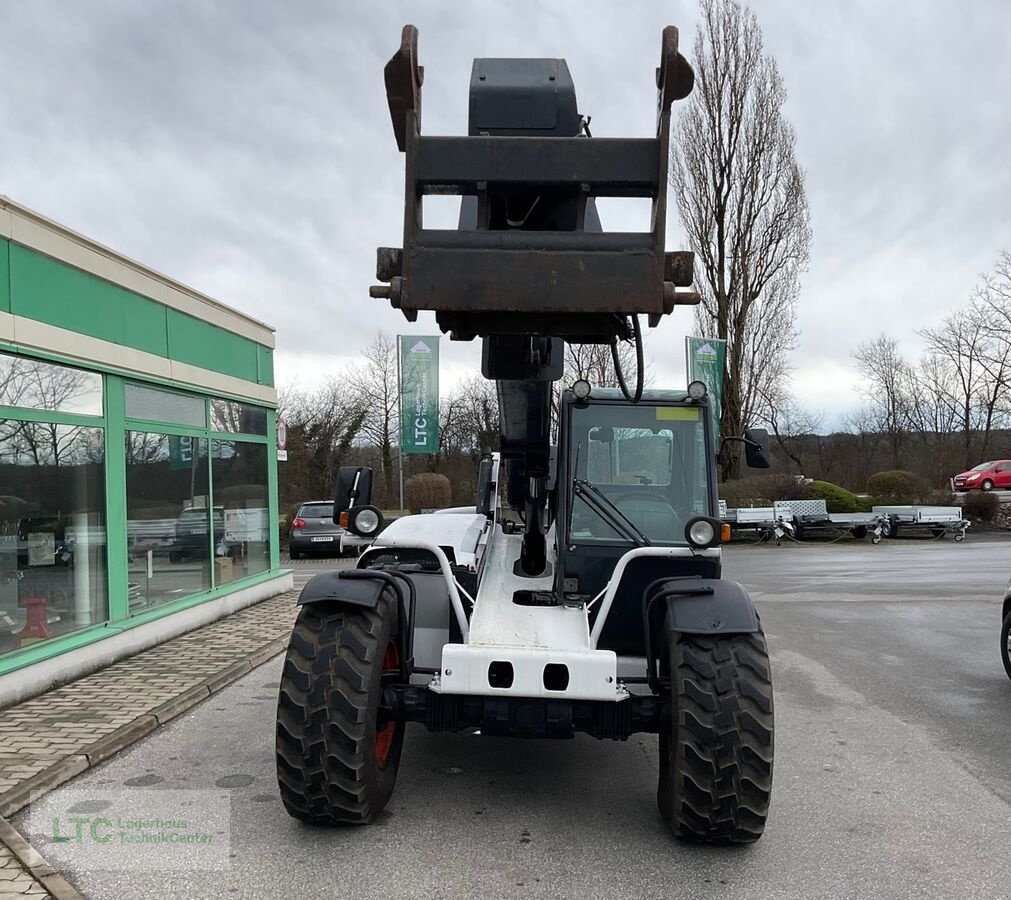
[(993, 301), (594, 363), (742, 202), (470, 418), (791, 424), (322, 426), (887, 389), (375, 383), (957, 348)]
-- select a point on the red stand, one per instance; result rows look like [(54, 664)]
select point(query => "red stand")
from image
[(36, 628)]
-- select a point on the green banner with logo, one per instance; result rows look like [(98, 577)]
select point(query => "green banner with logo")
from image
[(707, 359), (419, 394), (180, 451)]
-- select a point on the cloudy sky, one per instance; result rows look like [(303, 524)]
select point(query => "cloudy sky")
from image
[(244, 147)]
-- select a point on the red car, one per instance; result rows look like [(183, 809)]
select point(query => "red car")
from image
[(986, 476)]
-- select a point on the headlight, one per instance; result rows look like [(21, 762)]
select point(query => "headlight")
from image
[(972, 477), (581, 389), (702, 532)]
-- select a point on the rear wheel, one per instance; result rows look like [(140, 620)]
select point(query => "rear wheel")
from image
[(1005, 643), (716, 753), (337, 759), (295, 554)]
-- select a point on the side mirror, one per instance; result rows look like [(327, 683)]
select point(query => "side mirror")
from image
[(603, 434), (756, 448), (354, 488), (485, 487)]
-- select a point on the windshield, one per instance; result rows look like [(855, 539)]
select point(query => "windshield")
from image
[(648, 461), (982, 466)]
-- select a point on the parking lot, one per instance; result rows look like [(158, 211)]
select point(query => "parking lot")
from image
[(893, 768)]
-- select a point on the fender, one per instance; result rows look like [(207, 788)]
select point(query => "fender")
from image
[(330, 587), (364, 587), (692, 605), (706, 606)]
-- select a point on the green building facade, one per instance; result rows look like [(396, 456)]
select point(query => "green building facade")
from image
[(138, 459)]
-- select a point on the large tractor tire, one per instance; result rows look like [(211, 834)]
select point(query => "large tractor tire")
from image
[(336, 762), (716, 753)]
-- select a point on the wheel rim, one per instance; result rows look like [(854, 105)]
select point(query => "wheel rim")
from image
[(384, 735)]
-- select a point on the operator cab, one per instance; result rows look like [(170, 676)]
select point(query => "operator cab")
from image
[(631, 475)]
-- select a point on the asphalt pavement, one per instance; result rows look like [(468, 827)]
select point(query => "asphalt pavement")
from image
[(893, 767)]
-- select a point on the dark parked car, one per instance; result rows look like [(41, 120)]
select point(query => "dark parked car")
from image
[(191, 534), (313, 530)]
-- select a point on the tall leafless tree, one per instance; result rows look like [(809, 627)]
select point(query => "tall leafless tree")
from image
[(887, 388), (376, 384), (740, 194)]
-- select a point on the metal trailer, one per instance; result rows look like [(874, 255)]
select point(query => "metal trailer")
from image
[(770, 524), (794, 518), (813, 515), (938, 520)]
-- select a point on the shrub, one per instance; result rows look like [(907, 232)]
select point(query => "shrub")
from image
[(427, 490), (763, 490), (981, 506), (938, 498), (837, 499), (897, 487)]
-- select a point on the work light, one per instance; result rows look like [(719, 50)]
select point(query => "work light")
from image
[(697, 390), (702, 532)]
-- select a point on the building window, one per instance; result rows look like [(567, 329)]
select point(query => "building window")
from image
[(34, 384), (168, 528), (239, 475), (153, 405), (53, 577), (238, 418)]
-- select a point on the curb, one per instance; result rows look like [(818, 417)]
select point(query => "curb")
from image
[(36, 865), (64, 770)]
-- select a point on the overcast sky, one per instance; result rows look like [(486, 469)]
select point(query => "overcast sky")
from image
[(245, 148)]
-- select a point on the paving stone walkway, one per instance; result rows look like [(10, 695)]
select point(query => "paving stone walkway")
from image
[(16, 880), (49, 739)]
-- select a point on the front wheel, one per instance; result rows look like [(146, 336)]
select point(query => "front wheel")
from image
[(987, 485), (716, 753), (337, 759), (1005, 643)]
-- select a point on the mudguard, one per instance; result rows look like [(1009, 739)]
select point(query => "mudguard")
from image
[(330, 587), (692, 605), (708, 606), (363, 587)]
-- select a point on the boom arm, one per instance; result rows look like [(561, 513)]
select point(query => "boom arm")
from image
[(529, 266)]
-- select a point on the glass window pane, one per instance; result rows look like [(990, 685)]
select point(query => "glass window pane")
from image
[(34, 384), (52, 531), (240, 491), (168, 528), (238, 418), (164, 406)]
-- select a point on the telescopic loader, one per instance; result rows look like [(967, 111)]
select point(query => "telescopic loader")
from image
[(583, 591)]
